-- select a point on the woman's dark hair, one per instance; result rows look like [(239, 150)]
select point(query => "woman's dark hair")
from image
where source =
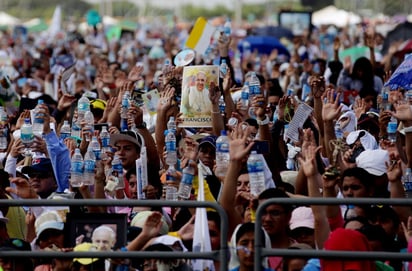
[(365, 66), (130, 172)]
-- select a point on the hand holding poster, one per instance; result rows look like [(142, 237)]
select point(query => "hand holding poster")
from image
[(196, 106)]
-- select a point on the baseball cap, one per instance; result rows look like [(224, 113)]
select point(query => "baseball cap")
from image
[(373, 161), (211, 140), (140, 219), (302, 217), (85, 247), (48, 220), (174, 243), (98, 104), (130, 136), (38, 165)]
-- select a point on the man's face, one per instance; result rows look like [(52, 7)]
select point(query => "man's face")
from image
[(200, 81), (133, 186), (275, 220), (246, 255), (127, 153), (207, 155), (353, 188), (43, 183), (103, 240), (214, 232)]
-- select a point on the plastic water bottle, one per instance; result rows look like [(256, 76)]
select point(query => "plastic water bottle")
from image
[(255, 168), (257, 65), (38, 119), (117, 167), (75, 131), (76, 178), (105, 137), (338, 131), (385, 100), (171, 124), (185, 187), (171, 190), (222, 154), (124, 108), (165, 66), (89, 166), (171, 156), (392, 128), (227, 29), (223, 69), (407, 182), (83, 105), (26, 133), (244, 96), (254, 86), (65, 130), (3, 129), (96, 148), (89, 119)]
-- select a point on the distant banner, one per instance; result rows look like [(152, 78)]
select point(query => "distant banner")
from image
[(196, 105)]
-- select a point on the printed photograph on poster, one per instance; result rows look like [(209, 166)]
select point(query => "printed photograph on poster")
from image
[(150, 100), (196, 106)]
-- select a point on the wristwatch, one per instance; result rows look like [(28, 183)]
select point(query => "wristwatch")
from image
[(265, 121)]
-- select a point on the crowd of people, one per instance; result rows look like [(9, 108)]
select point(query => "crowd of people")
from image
[(344, 149)]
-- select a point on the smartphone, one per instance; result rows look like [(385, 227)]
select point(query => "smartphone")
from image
[(99, 126), (261, 146)]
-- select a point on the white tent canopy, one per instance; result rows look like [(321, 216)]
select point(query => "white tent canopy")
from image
[(335, 16), (6, 19)]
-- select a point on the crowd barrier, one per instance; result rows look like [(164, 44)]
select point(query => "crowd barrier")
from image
[(220, 255), (261, 251)]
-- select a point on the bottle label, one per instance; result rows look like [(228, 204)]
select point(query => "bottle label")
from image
[(170, 146), (117, 170), (63, 136), (222, 147), (407, 186), (187, 179), (27, 138), (254, 89), (97, 154), (77, 167), (89, 166), (244, 95), (83, 107), (392, 127), (105, 142), (170, 178)]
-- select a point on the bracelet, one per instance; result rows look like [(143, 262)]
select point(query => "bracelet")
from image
[(265, 121)]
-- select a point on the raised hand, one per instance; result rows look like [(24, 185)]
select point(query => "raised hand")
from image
[(65, 102), (135, 73), (307, 160), (166, 98), (402, 112), (214, 93), (331, 108), (394, 171), (239, 146), (359, 107)]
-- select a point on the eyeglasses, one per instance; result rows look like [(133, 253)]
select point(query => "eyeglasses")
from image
[(39, 175)]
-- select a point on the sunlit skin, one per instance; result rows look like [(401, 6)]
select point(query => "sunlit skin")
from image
[(200, 81), (103, 239)]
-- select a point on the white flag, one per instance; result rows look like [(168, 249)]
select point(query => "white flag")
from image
[(201, 237)]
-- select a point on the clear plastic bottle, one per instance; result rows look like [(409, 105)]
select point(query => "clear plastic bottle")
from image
[(96, 148), (65, 130), (385, 105), (227, 29), (392, 128), (89, 166), (222, 154), (77, 167), (258, 64), (254, 86), (124, 108), (83, 105), (223, 69), (75, 131), (117, 171), (105, 137), (185, 187), (3, 129), (38, 121), (407, 182), (89, 119), (350, 212), (338, 131), (26, 133), (244, 96), (255, 168), (171, 190), (170, 142), (171, 124), (222, 105)]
